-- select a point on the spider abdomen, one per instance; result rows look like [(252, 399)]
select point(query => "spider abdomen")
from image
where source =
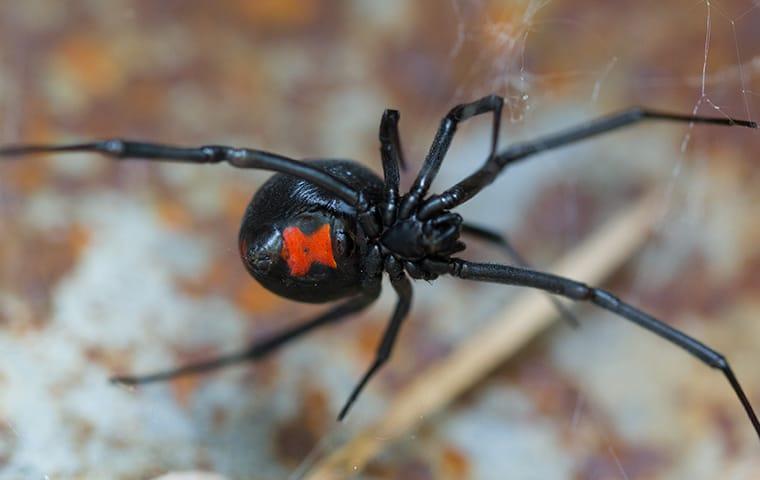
[(299, 241)]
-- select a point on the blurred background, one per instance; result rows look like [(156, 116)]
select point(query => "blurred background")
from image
[(133, 267)]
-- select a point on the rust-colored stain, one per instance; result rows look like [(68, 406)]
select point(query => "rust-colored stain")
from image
[(235, 201), (78, 238), (174, 214), (224, 275), (295, 438), (207, 282), (511, 15), (612, 459), (727, 428), (368, 338), (183, 388), (150, 98), (251, 297), (29, 175), (454, 463), (316, 409), (749, 279), (91, 64), (416, 469), (113, 360), (35, 277), (693, 289), (280, 13)]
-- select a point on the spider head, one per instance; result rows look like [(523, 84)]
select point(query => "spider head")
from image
[(310, 257), (414, 239)]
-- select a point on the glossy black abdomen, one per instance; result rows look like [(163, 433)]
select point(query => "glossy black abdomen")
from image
[(283, 196), (298, 240)]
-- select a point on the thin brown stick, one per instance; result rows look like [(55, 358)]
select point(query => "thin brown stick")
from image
[(513, 327)]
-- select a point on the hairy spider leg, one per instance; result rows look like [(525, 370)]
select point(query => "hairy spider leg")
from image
[(404, 291), (503, 243), (494, 165), (392, 157), (260, 348), (237, 157), (442, 141), (493, 273)]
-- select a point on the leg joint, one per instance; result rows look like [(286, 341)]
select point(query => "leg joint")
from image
[(574, 290), (214, 154), (604, 299), (114, 147), (717, 360)]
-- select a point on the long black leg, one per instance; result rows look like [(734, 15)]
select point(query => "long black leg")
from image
[(472, 185), (393, 158), (404, 290), (259, 348), (574, 290), (510, 251), (237, 157), (442, 141)]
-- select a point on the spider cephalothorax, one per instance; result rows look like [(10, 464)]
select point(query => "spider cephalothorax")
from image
[(328, 229), (413, 239)]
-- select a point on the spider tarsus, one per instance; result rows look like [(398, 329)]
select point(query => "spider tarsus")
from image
[(354, 394), (125, 381), (343, 412), (132, 381)]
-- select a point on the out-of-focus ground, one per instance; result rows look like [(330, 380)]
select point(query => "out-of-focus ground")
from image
[(133, 267)]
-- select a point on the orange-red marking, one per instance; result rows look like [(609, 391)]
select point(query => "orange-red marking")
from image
[(302, 250)]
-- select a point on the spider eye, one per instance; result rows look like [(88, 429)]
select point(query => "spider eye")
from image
[(344, 243)]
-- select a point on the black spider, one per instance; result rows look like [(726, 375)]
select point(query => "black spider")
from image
[(328, 229)]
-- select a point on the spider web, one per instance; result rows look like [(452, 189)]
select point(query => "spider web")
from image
[(502, 41), (495, 47), (718, 86)]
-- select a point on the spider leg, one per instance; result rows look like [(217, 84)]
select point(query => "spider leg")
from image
[(237, 157), (510, 251), (393, 157), (259, 348), (442, 141), (390, 138), (485, 175), (404, 290), (484, 272)]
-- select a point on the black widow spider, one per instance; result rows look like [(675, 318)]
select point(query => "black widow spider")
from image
[(328, 229)]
